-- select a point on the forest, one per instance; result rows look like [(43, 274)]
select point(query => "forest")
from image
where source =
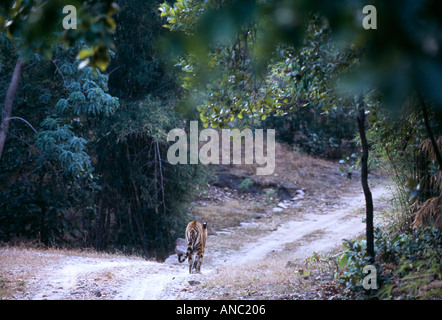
[(90, 95)]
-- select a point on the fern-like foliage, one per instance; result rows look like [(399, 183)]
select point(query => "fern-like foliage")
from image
[(60, 143), (85, 98), (87, 91)]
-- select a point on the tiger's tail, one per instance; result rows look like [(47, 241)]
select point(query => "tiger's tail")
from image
[(181, 259), (189, 251), (191, 244)]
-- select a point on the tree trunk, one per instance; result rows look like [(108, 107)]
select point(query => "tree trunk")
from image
[(430, 132), (6, 114), (364, 182)]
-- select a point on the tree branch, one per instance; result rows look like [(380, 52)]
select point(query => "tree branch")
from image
[(9, 99), (18, 118)]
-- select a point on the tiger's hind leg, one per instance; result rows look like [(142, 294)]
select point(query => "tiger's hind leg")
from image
[(199, 262), (191, 263)]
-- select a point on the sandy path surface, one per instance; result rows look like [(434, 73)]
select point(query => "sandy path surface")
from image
[(78, 277), (313, 232)]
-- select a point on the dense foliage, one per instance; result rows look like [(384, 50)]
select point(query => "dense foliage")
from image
[(22, 20), (406, 264), (85, 159), (234, 87), (401, 145), (46, 170)]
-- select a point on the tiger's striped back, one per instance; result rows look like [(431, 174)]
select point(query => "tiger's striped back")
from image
[(196, 235)]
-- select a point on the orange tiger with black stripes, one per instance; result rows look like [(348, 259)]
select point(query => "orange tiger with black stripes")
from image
[(196, 235)]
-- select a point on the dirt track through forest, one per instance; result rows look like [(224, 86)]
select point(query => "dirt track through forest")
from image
[(312, 232), (77, 277)]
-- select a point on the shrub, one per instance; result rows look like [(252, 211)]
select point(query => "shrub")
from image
[(245, 185), (406, 263)]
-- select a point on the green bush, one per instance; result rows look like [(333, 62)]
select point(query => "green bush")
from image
[(351, 264), (405, 262), (245, 184)]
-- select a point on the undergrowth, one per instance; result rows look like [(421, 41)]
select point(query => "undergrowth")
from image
[(408, 266)]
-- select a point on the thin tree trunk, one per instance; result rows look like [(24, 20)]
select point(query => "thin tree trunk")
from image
[(6, 114), (430, 132), (364, 182)]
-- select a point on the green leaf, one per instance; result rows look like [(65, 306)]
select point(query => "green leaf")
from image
[(62, 105), (84, 54), (343, 261)]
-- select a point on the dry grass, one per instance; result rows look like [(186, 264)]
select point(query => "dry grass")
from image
[(17, 266), (315, 175), (260, 279), (293, 167), (227, 214), (35, 248), (429, 213), (275, 277), (427, 148)]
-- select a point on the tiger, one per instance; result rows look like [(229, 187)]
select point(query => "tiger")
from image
[(196, 235)]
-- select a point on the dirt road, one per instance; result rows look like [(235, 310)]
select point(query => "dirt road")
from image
[(81, 277), (315, 231)]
